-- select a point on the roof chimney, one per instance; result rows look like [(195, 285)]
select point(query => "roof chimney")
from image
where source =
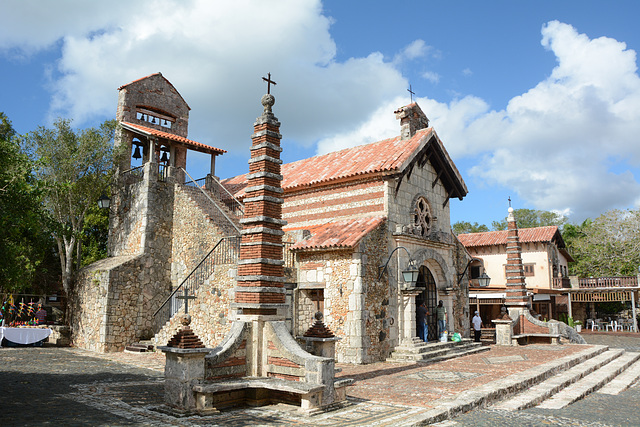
[(412, 119)]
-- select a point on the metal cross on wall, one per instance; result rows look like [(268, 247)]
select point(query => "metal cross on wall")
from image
[(269, 82), (186, 299)]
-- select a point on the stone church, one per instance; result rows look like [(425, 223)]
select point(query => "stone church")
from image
[(352, 221)]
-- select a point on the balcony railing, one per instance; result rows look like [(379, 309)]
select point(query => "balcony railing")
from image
[(609, 282), (597, 282), (561, 282)]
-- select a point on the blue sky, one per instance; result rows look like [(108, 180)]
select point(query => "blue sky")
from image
[(536, 100)]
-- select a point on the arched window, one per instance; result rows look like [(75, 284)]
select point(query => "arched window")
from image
[(422, 216)]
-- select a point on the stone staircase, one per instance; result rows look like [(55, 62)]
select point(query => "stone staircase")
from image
[(605, 370), (214, 213), (419, 351)]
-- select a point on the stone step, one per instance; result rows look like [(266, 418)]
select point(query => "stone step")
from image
[(623, 381), (555, 384), (424, 347), (436, 352), (495, 391), (590, 383), (139, 347)]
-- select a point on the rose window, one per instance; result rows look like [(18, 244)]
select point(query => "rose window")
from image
[(422, 216)]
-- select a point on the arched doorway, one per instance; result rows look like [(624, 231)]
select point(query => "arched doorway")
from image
[(430, 296)]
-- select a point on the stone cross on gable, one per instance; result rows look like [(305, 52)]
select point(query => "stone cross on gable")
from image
[(186, 299), (269, 82)]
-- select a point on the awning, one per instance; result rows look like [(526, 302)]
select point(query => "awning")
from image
[(488, 295)]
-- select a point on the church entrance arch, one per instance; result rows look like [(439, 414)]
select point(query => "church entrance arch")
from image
[(429, 295)]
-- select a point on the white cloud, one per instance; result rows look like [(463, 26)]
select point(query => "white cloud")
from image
[(560, 145), (433, 77), (416, 49), (568, 144), (215, 54)]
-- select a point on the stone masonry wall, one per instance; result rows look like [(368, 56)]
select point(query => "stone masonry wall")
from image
[(113, 302), (381, 311), (194, 235), (401, 206), (357, 307), (126, 221), (211, 315)]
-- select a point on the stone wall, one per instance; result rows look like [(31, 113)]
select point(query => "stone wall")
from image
[(357, 308), (115, 299), (194, 235), (380, 304), (401, 206), (211, 314), (113, 302)]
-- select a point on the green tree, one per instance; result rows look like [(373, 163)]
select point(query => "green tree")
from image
[(464, 227), (23, 241), (94, 236), (530, 218), (75, 168), (606, 246)]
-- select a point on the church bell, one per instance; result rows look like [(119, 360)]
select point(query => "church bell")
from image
[(137, 154)]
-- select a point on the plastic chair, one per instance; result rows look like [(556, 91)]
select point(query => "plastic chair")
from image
[(591, 324), (616, 326)]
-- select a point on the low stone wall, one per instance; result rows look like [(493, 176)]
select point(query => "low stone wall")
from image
[(113, 302)]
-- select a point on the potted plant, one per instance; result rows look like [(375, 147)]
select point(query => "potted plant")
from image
[(578, 325)]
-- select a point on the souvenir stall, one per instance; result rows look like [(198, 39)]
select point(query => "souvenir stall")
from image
[(22, 324)]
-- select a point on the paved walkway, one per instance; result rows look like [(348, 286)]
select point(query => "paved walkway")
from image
[(46, 386)]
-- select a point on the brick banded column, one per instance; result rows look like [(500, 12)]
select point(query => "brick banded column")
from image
[(260, 289), (516, 293)]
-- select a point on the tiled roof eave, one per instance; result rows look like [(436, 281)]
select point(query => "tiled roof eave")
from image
[(370, 175), (179, 140)]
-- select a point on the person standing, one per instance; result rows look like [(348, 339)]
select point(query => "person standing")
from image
[(41, 315), (441, 313), (421, 321), (477, 326)]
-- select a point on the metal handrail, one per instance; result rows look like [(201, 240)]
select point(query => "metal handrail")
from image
[(212, 201), (198, 275), (238, 202)]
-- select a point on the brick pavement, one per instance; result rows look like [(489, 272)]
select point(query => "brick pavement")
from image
[(77, 387)]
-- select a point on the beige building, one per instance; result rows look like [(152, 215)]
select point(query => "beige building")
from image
[(545, 262)]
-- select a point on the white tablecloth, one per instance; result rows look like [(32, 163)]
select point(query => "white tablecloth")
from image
[(24, 335)]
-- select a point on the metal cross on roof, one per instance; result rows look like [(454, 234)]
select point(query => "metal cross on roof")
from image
[(186, 299), (411, 92), (269, 82)]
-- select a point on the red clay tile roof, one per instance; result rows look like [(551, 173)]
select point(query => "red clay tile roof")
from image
[(340, 234), (384, 157), (526, 235), (196, 146)]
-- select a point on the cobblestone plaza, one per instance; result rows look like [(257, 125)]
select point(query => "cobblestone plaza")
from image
[(47, 386)]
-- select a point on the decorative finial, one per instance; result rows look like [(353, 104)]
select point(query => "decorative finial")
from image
[(509, 201), (185, 319), (411, 92)]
